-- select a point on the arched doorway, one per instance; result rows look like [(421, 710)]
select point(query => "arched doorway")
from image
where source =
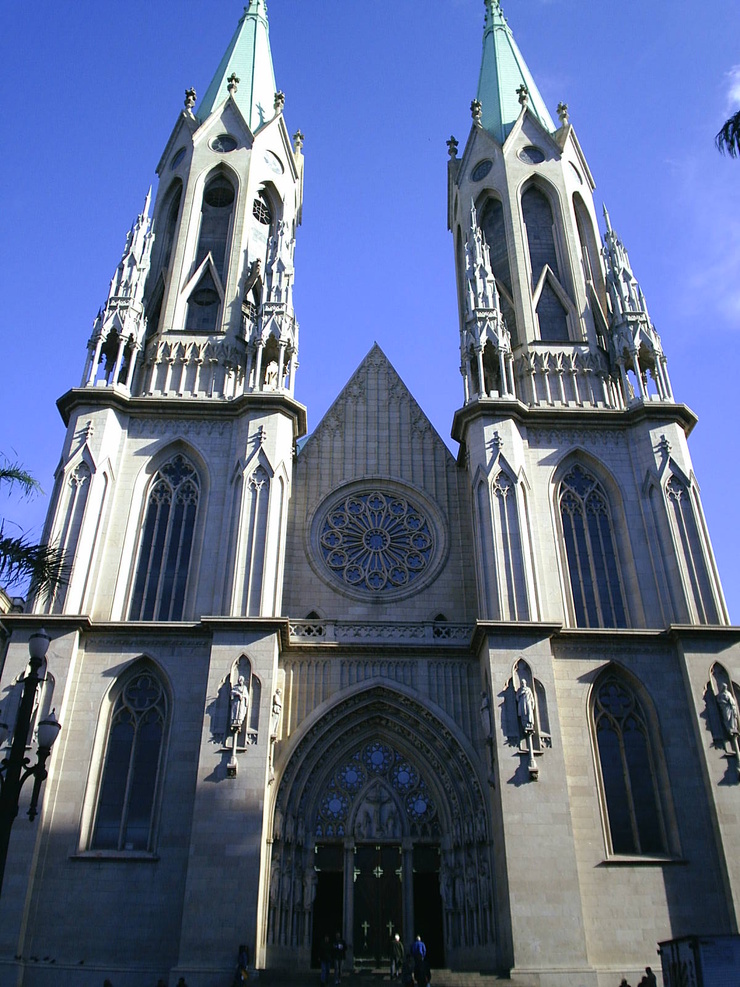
[(380, 826)]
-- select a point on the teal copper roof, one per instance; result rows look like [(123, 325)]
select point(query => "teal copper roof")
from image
[(502, 72), (250, 59)]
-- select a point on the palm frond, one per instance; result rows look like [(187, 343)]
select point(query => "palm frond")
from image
[(14, 475), (43, 567), (728, 139)]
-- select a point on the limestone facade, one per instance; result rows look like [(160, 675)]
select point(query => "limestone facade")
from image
[(484, 697)]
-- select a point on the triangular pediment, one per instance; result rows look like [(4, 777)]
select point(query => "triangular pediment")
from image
[(383, 401)]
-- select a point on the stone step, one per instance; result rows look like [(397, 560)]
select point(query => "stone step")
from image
[(378, 977)]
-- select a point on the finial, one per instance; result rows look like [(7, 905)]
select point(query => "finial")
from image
[(476, 111), (233, 83), (563, 113), (297, 140), (607, 220), (190, 98), (452, 146), (279, 101), (523, 94), (147, 203)]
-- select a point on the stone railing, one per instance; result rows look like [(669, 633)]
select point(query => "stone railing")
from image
[(565, 375), (346, 632), (183, 367)]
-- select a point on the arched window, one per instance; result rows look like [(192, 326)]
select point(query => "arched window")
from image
[(690, 552), (166, 543), (76, 491), (627, 766), (538, 222), (492, 224), (589, 248), (132, 767), (215, 222), (590, 549)]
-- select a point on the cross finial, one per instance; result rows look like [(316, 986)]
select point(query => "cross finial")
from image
[(233, 83), (298, 140), (476, 111), (279, 101), (190, 98), (523, 94), (452, 147), (563, 113)]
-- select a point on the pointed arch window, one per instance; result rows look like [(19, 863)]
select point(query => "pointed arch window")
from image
[(166, 543), (132, 767), (494, 230), (215, 222), (539, 224), (76, 491), (690, 551), (591, 552), (204, 305), (628, 770)]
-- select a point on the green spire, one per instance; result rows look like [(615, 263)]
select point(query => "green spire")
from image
[(502, 73), (249, 59)]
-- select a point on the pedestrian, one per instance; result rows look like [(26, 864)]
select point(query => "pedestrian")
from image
[(419, 954), (623, 982), (649, 978), (241, 976), (326, 955), (397, 955), (340, 951)]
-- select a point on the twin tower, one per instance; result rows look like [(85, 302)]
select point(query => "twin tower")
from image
[(357, 684)]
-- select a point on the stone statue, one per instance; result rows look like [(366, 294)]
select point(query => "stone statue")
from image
[(277, 826), (485, 716), (277, 709), (239, 704), (729, 711), (271, 376), (310, 880), (525, 707), (275, 884)]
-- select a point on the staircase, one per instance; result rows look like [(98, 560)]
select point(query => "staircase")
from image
[(380, 977)]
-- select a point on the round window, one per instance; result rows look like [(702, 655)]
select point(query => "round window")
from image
[(219, 193), (531, 155), (177, 160), (223, 143), (481, 170)]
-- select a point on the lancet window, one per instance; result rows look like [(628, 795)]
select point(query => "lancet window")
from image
[(492, 224), (215, 222), (75, 493), (166, 543), (691, 556), (539, 224), (590, 550), (627, 769), (132, 766)]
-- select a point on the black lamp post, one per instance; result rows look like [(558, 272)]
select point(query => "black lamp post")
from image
[(14, 769)]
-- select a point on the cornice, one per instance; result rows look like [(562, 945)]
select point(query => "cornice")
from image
[(183, 408), (562, 418)]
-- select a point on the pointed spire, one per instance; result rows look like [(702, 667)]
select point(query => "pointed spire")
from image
[(503, 73), (246, 71)]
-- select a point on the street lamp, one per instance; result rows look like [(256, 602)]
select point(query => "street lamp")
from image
[(14, 769)]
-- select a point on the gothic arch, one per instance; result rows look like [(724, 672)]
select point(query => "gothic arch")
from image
[(425, 737)]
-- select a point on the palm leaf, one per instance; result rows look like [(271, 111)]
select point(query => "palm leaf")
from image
[(43, 567), (728, 139), (14, 475)]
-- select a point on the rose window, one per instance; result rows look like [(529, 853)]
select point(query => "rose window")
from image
[(376, 541)]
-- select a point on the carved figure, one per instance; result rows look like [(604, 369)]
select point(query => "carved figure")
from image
[(310, 880), (525, 707), (277, 826), (729, 711), (277, 709), (485, 715), (271, 376), (275, 884), (239, 704)]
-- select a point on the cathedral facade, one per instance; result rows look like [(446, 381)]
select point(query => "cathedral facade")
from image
[(350, 682)]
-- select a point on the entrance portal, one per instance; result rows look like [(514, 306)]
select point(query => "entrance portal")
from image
[(378, 902)]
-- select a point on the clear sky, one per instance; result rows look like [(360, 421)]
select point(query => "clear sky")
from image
[(91, 91)]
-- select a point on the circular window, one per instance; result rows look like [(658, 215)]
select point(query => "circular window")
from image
[(261, 212), (578, 174), (481, 170), (219, 193), (204, 297), (377, 541), (223, 143), (177, 160), (531, 155), (274, 163)]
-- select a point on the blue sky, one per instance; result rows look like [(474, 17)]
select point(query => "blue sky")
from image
[(92, 90)]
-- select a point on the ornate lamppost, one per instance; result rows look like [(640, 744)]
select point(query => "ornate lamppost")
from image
[(15, 769)]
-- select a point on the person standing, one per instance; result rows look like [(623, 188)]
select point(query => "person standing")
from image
[(397, 954), (419, 954), (326, 955), (340, 951)]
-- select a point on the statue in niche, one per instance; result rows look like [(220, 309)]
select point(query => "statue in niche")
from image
[(728, 710), (485, 716), (310, 880), (275, 884), (277, 826), (445, 886), (376, 815), (239, 704), (525, 707), (271, 376), (277, 709)]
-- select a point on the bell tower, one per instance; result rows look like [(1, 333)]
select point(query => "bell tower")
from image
[(173, 487)]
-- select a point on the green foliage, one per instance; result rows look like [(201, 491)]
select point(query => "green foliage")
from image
[(728, 139), (42, 568)]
